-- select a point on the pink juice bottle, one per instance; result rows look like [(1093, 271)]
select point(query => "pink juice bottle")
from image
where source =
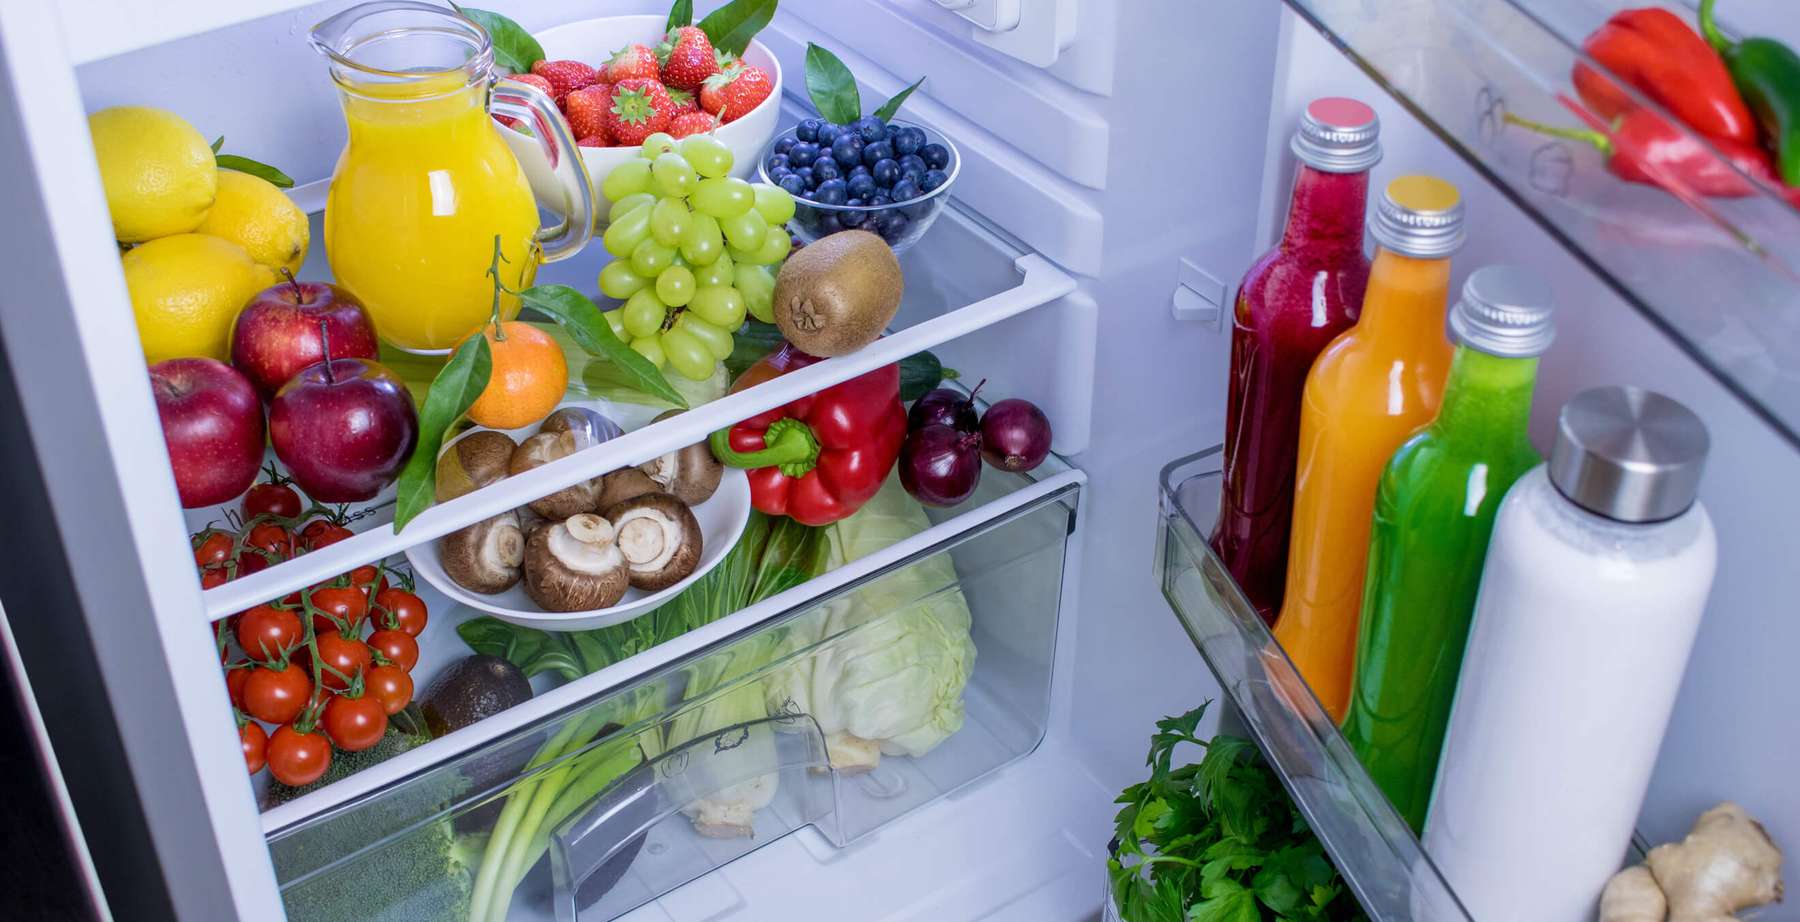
[(1292, 302)]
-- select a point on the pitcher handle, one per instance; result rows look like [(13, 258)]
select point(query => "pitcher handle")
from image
[(533, 107)]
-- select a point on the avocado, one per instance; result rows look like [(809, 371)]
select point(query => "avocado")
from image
[(470, 689)]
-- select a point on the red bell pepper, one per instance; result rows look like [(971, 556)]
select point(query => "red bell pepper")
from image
[(1661, 56), (820, 458), (1643, 147)]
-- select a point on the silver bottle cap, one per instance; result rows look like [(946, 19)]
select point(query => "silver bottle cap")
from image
[(1628, 454), (1419, 216), (1338, 135), (1504, 311)]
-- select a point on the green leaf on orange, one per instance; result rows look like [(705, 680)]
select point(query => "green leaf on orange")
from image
[(581, 317), (453, 391)]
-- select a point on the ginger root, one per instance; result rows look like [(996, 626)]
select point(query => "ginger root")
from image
[(1726, 863)]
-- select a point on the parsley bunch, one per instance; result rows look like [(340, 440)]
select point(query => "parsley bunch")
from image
[(1218, 841)]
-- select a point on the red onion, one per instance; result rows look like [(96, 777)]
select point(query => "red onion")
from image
[(1015, 435), (940, 466), (945, 407)]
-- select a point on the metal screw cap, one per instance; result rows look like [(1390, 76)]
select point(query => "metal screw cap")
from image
[(1504, 311), (1628, 454), (1338, 135), (1419, 216)]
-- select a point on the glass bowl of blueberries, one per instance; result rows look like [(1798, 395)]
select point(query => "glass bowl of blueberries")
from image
[(886, 177)]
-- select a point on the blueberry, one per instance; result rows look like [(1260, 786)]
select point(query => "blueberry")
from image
[(876, 152), (934, 179), (885, 172), (906, 189), (803, 152), (852, 218), (826, 168), (913, 162), (775, 175), (880, 199), (860, 186), (830, 192), (906, 143), (859, 170), (892, 131), (891, 226), (916, 177), (827, 132), (827, 224), (776, 162), (871, 129), (806, 177), (847, 150), (792, 184), (808, 129), (937, 156), (787, 141)]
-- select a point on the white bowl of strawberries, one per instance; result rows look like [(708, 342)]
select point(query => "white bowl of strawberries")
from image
[(611, 117)]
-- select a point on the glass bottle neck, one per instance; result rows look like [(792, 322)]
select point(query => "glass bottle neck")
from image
[(1487, 395), (1405, 301), (1326, 209)]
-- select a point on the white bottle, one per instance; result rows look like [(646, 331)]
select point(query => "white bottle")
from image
[(1590, 599)]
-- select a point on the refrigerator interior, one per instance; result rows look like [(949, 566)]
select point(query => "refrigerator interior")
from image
[(1158, 138)]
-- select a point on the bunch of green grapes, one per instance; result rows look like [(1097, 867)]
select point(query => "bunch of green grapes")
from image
[(694, 250)]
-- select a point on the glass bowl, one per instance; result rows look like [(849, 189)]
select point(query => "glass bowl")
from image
[(899, 223)]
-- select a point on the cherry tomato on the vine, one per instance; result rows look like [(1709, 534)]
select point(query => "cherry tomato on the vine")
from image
[(355, 724), (266, 632), (255, 741), (404, 611), (398, 647), (234, 686), (215, 548), (347, 655), (390, 685), (346, 605), (367, 576), (297, 758), (276, 695), (214, 577), (271, 537), (272, 499), (320, 533)]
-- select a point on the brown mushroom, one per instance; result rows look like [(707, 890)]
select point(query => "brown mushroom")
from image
[(472, 462), (659, 538), (575, 565), (691, 474), (484, 557), (623, 484), (542, 449)]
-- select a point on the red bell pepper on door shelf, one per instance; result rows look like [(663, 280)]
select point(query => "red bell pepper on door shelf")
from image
[(1643, 147), (820, 458), (1663, 57)]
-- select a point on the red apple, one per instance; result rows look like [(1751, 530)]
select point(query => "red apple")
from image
[(343, 428), (212, 423), (277, 333)]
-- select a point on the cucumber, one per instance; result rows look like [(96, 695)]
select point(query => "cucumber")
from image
[(919, 372)]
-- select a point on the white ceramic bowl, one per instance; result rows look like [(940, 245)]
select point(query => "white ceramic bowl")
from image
[(722, 518), (592, 41)]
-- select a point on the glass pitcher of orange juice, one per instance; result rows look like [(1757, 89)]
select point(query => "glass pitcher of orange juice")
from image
[(426, 183)]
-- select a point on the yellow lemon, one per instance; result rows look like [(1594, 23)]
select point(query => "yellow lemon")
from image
[(158, 171), (255, 215), (186, 290)]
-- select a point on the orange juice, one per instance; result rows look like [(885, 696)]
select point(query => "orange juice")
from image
[(1367, 392), (419, 194)]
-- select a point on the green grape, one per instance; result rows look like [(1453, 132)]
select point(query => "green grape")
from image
[(675, 286), (644, 313), (673, 175), (626, 233), (616, 320), (650, 347), (723, 198), (628, 178), (688, 355), (757, 287), (719, 305), (717, 341), (618, 281), (769, 251), (702, 243), (668, 220), (649, 258), (628, 204), (658, 144), (776, 205), (745, 231), (709, 155), (719, 272)]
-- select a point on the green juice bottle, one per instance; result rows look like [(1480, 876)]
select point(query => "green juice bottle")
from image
[(1434, 512)]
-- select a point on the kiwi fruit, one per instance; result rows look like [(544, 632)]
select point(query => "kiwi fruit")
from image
[(838, 293)]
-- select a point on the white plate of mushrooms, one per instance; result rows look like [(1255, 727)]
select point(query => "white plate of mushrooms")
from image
[(591, 555)]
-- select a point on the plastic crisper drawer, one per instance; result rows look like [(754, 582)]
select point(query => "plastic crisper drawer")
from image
[(658, 781)]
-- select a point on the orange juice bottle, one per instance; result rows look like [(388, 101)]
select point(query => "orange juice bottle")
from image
[(1369, 389)]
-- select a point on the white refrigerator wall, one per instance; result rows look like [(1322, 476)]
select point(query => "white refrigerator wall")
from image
[(1733, 731)]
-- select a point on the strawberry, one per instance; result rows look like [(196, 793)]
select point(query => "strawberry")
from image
[(687, 58), (586, 110), (733, 92), (692, 123), (537, 81), (683, 101), (640, 108), (564, 76), (631, 62), (598, 140)]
